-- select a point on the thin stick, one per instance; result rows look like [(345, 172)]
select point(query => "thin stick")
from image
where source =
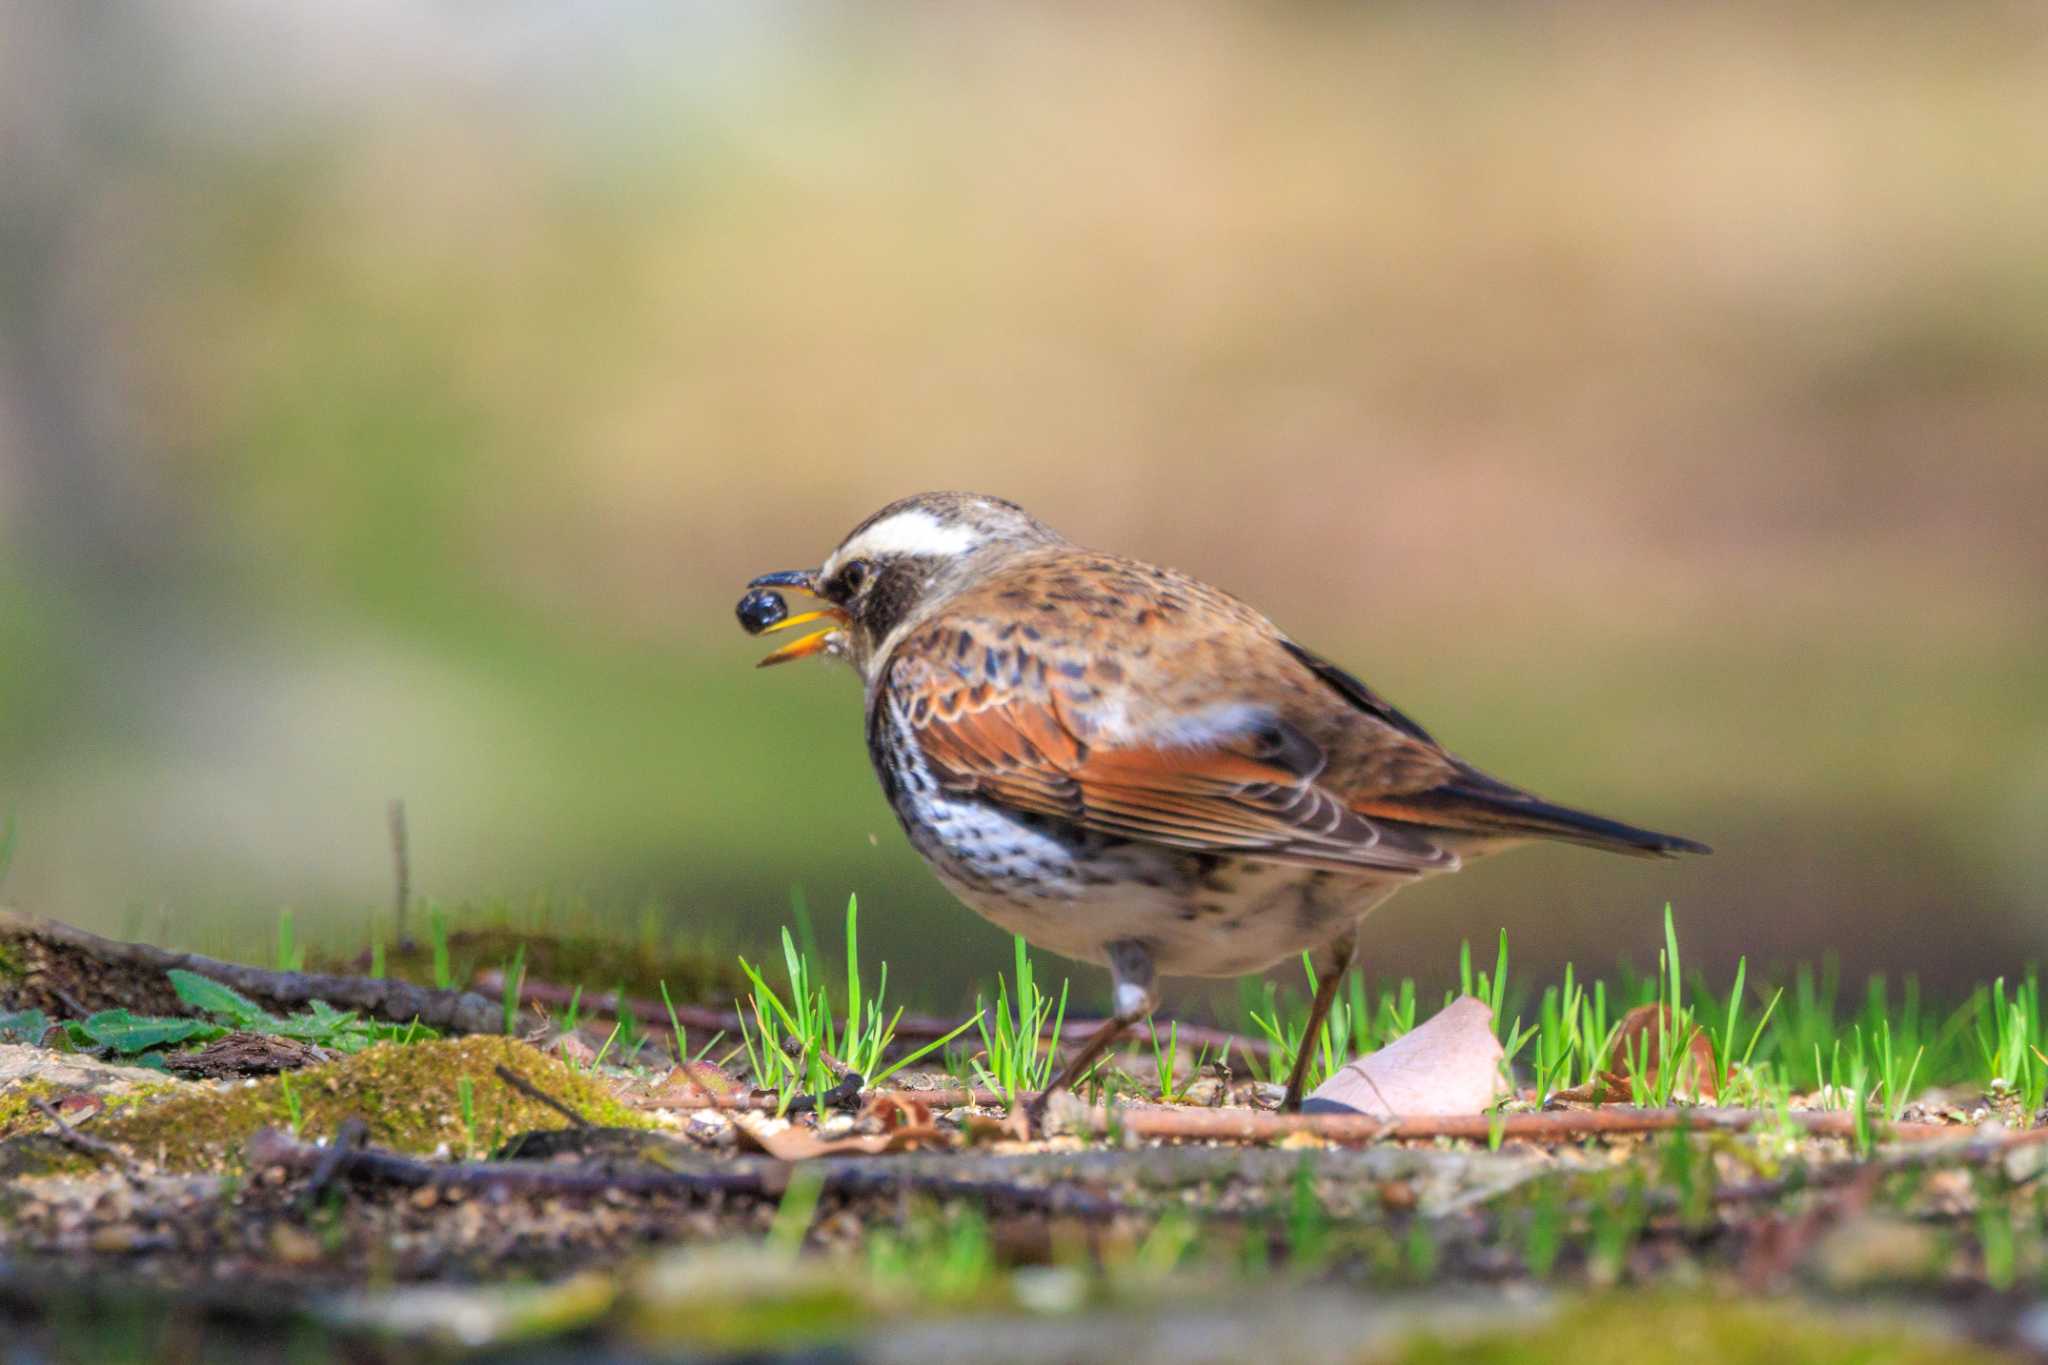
[(90, 1146), (401, 865), (950, 1097), (351, 1133), (1252, 1125), (1187, 1123), (534, 1092), (844, 1094)]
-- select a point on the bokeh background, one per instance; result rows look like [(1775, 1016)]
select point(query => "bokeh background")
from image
[(395, 395)]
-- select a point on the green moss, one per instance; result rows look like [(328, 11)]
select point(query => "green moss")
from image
[(1656, 1330), (21, 1116), (409, 1095), (141, 1094), (18, 1113)]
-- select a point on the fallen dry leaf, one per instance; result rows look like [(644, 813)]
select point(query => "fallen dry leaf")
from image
[(1449, 1064), (714, 1082), (982, 1130), (895, 1111), (78, 1108), (1641, 1034), (906, 1126)]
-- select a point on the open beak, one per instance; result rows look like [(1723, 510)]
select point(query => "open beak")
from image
[(818, 641)]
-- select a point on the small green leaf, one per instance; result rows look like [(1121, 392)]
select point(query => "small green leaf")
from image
[(131, 1033), (204, 993), (24, 1026)]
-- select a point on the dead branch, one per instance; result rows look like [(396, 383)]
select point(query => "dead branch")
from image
[(90, 1146), (42, 942), (1252, 1125), (247, 1054), (766, 1180), (349, 1134), (945, 1098), (845, 1094), (1188, 1123)]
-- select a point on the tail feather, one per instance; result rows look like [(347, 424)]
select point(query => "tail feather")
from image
[(1477, 804)]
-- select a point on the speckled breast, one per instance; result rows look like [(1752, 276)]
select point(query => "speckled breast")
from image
[(1074, 892)]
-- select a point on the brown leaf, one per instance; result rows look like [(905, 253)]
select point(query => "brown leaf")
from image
[(894, 1111), (1641, 1034), (1606, 1088), (1447, 1065), (708, 1079), (906, 1126), (572, 1048), (980, 1130), (78, 1108)]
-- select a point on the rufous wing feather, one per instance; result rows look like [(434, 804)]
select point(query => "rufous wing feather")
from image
[(1243, 783)]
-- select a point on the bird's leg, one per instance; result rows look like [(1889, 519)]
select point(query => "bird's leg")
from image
[(1330, 965), (1133, 991)]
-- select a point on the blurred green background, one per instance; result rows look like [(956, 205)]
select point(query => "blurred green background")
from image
[(394, 397)]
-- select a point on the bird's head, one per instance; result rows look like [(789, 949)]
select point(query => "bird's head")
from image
[(892, 567)]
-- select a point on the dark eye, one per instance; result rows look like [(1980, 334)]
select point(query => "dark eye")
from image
[(854, 576)]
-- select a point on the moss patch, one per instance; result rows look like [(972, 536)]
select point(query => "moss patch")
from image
[(410, 1095), (1662, 1330), (18, 1113), (598, 961)]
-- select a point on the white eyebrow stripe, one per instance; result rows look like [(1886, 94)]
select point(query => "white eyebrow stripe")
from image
[(915, 532)]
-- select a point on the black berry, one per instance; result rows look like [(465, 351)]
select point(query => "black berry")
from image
[(761, 609)]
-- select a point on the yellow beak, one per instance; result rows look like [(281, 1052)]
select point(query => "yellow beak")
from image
[(814, 643)]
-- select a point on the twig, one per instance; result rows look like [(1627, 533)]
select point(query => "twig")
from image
[(844, 1095), (945, 1098), (915, 1028), (762, 1180), (351, 1133), (401, 866), (90, 1146), (1253, 1125), (534, 1092), (1189, 1123)]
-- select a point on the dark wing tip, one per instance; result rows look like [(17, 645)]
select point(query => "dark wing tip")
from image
[(1671, 845), (1475, 803), (1596, 831)]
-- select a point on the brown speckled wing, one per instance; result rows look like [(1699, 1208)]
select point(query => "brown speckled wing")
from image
[(1138, 702)]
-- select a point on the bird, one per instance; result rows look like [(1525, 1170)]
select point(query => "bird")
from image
[(1131, 768)]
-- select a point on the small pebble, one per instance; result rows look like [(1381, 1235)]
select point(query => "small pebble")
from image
[(2033, 1328)]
